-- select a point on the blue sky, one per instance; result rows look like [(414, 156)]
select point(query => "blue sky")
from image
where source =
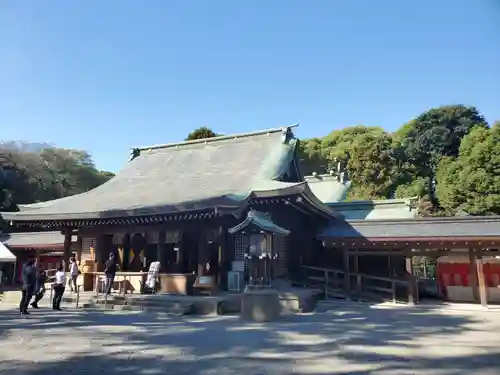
[(105, 76)]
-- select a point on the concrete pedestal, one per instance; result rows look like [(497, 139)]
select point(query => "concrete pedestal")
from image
[(260, 305)]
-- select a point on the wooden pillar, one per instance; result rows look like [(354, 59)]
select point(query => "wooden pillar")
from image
[(158, 253), (126, 251), (473, 279), (37, 257), (100, 250), (221, 274), (202, 250), (79, 249), (411, 280), (347, 271), (67, 248), (359, 280), (483, 295), (389, 266)]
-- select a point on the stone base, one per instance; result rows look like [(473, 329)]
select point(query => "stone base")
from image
[(260, 305)]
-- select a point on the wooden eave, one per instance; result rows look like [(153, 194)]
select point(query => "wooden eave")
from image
[(470, 231), (300, 201), (123, 221), (399, 243), (38, 247)]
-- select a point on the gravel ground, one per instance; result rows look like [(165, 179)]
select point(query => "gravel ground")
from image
[(351, 339)]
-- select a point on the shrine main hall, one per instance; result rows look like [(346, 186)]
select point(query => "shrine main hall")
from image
[(226, 200)]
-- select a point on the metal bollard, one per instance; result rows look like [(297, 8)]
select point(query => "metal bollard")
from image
[(96, 283), (77, 295), (105, 301), (50, 295)]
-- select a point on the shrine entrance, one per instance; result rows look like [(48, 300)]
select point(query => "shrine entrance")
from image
[(260, 233)]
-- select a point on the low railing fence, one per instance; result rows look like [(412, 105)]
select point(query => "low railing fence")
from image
[(334, 282)]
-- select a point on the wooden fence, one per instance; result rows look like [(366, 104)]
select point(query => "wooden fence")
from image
[(334, 283)]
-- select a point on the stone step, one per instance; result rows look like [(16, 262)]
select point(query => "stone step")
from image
[(12, 298), (157, 309), (334, 301), (11, 295)]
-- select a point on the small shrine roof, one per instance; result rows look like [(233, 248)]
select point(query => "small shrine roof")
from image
[(260, 220)]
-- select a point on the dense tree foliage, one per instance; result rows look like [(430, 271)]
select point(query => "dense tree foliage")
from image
[(44, 174), (470, 182), (435, 134), (448, 156), (201, 133)]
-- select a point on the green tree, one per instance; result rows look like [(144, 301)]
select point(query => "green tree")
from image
[(337, 145), (311, 157), (471, 181), (434, 134), (29, 177), (373, 166), (201, 133)]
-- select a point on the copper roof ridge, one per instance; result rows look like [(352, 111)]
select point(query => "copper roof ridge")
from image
[(428, 219), (215, 139), (378, 202)]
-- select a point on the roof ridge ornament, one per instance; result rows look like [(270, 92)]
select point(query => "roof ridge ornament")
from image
[(222, 138), (135, 152), (287, 135)]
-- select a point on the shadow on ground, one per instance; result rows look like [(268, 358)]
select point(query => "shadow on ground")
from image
[(349, 340)]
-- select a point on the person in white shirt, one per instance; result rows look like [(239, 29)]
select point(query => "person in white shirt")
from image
[(59, 284), (73, 274)]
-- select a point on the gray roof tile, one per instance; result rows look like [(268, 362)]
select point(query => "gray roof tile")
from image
[(34, 239), (200, 174), (468, 226)]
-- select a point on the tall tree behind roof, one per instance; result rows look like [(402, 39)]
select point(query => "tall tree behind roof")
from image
[(29, 177), (438, 132), (434, 134), (471, 181), (201, 133)]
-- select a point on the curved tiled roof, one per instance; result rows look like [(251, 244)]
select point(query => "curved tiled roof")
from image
[(193, 175)]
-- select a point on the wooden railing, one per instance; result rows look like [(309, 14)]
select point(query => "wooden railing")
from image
[(334, 282)]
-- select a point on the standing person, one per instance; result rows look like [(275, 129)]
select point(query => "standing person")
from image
[(73, 274), (59, 284), (41, 279), (28, 274), (110, 271)]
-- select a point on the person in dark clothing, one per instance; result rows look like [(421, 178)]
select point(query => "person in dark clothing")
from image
[(110, 271), (28, 274), (41, 279)]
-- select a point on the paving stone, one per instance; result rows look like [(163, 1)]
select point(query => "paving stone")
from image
[(348, 339)]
